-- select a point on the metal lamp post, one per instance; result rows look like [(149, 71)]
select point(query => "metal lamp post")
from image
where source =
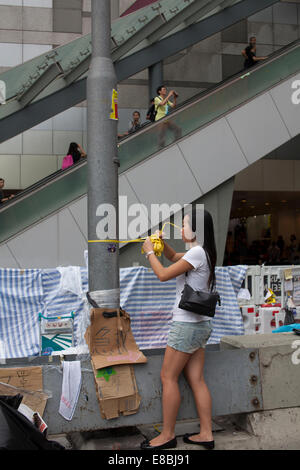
[(103, 257)]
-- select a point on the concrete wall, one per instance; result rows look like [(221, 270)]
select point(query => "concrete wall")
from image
[(38, 152), (29, 28)]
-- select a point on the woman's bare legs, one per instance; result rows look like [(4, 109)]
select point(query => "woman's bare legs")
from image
[(173, 364), (193, 372)]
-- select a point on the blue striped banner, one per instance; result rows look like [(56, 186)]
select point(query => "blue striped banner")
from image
[(26, 293)]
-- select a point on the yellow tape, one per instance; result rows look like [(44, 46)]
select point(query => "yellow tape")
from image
[(117, 241), (155, 426), (158, 244)]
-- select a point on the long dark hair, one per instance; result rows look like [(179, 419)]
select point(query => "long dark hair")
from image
[(209, 244), (74, 151)]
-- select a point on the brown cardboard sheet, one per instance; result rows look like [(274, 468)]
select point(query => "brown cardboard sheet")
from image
[(27, 381), (113, 352)]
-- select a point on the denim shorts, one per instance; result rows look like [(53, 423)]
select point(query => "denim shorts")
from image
[(189, 336)]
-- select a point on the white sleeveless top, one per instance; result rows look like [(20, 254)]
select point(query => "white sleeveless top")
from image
[(197, 278)]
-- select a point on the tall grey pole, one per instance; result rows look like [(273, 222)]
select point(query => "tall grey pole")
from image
[(103, 258)]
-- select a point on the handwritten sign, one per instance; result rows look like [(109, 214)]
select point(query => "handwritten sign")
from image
[(28, 381), (110, 339)]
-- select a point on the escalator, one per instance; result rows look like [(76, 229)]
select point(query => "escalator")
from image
[(55, 81), (202, 144)]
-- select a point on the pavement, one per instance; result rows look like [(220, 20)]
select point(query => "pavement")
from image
[(227, 436)]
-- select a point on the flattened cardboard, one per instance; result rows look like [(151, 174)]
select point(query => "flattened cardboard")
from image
[(111, 341), (117, 394), (111, 344), (28, 381)]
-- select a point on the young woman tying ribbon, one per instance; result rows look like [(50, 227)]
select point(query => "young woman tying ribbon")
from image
[(188, 334)]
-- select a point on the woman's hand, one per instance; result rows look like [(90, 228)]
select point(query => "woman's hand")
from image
[(83, 154), (160, 234), (147, 246)]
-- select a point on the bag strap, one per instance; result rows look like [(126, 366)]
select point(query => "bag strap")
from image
[(211, 287), (186, 275)]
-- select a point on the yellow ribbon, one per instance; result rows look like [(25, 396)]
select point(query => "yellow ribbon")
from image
[(158, 244), (155, 426)]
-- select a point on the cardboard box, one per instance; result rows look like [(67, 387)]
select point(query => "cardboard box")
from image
[(110, 339), (27, 381), (113, 352), (117, 391)]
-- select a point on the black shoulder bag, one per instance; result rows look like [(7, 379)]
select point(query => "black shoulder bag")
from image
[(201, 302)]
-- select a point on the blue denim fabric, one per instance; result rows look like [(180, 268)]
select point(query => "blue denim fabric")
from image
[(188, 337)]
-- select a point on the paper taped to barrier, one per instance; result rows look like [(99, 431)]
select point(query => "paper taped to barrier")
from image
[(288, 274), (296, 293), (288, 285)]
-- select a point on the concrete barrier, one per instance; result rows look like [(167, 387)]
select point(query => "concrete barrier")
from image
[(279, 365), (277, 424)]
